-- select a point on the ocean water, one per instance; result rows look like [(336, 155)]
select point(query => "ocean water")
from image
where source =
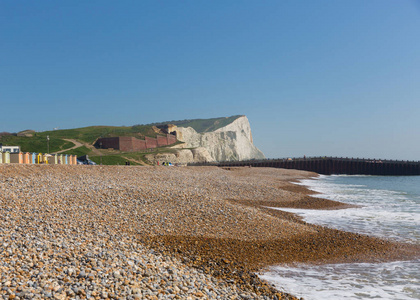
[(389, 208)]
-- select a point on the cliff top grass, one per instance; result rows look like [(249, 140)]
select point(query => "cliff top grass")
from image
[(203, 125), (91, 133)]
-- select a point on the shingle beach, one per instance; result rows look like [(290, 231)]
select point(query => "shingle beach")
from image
[(128, 232)]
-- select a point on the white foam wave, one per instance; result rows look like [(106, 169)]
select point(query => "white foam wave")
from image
[(383, 212), (401, 226), (389, 208), (395, 280)]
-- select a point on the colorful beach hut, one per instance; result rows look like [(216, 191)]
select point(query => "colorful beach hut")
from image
[(25, 158), (52, 159), (65, 159), (16, 158), (32, 157), (1, 157), (39, 158), (6, 157)]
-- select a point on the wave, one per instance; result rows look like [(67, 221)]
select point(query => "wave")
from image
[(394, 280)]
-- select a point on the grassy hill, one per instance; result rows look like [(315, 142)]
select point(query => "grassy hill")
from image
[(87, 136), (37, 141), (90, 134), (203, 125)]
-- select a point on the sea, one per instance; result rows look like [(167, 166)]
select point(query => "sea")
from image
[(389, 207)]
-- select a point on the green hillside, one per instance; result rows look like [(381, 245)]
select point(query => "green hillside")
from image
[(203, 125), (38, 142), (90, 134)]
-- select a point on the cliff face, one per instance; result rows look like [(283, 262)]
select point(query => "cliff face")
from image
[(181, 156), (231, 142)]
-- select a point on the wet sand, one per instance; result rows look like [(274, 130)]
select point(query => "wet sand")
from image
[(208, 219)]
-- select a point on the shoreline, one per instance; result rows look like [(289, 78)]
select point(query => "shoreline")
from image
[(209, 219), (327, 246)]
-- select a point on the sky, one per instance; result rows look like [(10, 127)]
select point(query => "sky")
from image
[(314, 78)]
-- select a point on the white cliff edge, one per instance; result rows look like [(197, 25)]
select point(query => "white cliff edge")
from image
[(229, 143)]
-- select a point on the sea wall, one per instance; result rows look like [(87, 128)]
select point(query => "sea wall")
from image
[(129, 143)]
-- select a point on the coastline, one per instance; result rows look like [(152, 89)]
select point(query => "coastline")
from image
[(211, 219), (238, 260)]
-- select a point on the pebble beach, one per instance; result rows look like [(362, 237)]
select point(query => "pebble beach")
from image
[(134, 232)]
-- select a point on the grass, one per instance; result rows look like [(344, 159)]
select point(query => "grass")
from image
[(203, 125), (92, 133), (80, 151), (139, 156), (111, 160), (36, 144)]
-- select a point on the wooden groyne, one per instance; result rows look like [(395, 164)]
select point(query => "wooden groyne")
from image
[(331, 165)]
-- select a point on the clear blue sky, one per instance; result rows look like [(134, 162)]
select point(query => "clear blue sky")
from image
[(337, 78)]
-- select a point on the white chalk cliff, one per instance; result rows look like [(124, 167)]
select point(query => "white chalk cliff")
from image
[(181, 156), (231, 142)]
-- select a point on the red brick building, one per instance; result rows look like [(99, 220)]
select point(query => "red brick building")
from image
[(130, 143)]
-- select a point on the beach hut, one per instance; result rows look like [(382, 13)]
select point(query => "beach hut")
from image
[(32, 158), (16, 158), (6, 157), (45, 157), (39, 158), (25, 157), (52, 159), (65, 159), (1, 157)]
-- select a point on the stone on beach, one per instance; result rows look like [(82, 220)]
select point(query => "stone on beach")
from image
[(95, 232)]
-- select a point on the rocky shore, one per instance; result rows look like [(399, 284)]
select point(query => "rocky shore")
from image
[(125, 232)]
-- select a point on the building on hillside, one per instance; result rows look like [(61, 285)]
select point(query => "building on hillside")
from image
[(10, 149), (130, 143)]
